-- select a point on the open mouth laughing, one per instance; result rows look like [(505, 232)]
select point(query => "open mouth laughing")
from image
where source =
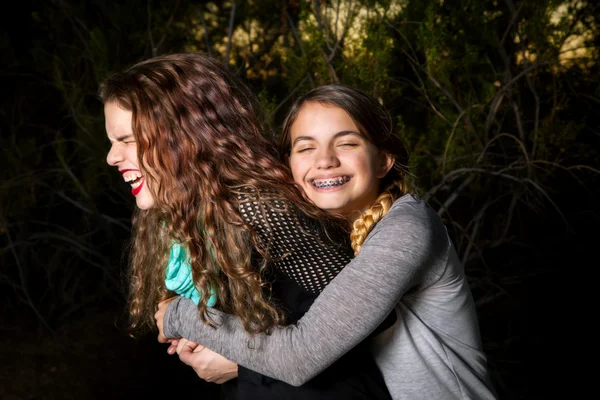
[(330, 182), (134, 178)]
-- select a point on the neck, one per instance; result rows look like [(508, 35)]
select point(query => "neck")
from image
[(353, 216)]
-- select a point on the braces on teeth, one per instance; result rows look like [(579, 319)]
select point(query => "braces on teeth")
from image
[(330, 182)]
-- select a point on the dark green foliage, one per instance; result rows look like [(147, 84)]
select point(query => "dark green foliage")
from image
[(500, 119)]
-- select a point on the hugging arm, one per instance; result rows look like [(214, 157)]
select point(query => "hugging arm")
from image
[(394, 258)]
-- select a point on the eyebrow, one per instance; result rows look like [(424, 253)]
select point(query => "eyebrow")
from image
[(337, 135)]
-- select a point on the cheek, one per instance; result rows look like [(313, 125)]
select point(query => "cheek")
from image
[(361, 164), (298, 169), (133, 159), (372, 164), (130, 152)]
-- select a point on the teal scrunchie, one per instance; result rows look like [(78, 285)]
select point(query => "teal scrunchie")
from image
[(179, 276)]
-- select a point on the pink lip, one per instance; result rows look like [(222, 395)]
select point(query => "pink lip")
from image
[(127, 170), (138, 189), (328, 189), (328, 176)]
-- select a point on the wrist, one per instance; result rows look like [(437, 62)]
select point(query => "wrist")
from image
[(169, 325)]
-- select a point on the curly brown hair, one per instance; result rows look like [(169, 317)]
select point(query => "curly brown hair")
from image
[(374, 123), (200, 140)]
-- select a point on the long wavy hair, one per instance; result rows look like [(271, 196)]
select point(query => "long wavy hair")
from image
[(375, 125), (200, 140)]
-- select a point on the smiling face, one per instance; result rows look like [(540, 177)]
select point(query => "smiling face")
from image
[(336, 166), (123, 152)]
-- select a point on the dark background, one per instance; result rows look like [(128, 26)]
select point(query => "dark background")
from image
[(497, 100)]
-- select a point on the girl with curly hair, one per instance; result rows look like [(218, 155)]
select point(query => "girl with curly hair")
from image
[(215, 202), (343, 153)]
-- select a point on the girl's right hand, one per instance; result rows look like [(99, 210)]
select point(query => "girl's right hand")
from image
[(210, 366)]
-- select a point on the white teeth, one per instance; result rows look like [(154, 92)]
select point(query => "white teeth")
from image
[(131, 176), (136, 184), (332, 182)]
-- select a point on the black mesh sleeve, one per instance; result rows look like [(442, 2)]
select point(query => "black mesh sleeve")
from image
[(295, 245)]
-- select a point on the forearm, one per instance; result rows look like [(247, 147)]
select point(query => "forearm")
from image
[(288, 354), (340, 318)]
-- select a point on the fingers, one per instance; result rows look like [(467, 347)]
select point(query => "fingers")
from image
[(188, 346), (208, 365), (159, 314), (183, 343), (159, 317), (187, 356), (173, 347), (199, 348), (162, 338)]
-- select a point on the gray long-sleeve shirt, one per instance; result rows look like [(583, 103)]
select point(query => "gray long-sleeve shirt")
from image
[(408, 263)]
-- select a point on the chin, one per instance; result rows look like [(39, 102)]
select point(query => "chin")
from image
[(144, 204)]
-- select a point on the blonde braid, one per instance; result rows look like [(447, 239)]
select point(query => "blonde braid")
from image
[(367, 220)]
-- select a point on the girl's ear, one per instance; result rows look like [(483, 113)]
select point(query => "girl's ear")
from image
[(386, 162)]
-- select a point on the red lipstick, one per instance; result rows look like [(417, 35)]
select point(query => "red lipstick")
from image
[(139, 188)]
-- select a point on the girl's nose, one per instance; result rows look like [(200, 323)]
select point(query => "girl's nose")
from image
[(114, 155), (326, 158)]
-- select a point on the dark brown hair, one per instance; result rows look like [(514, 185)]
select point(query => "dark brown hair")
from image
[(376, 126)]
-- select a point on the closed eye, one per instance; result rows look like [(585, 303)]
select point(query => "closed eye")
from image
[(304, 149)]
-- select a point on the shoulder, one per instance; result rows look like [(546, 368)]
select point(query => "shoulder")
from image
[(413, 211), (270, 213), (411, 219), (255, 194), (262, 203)]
